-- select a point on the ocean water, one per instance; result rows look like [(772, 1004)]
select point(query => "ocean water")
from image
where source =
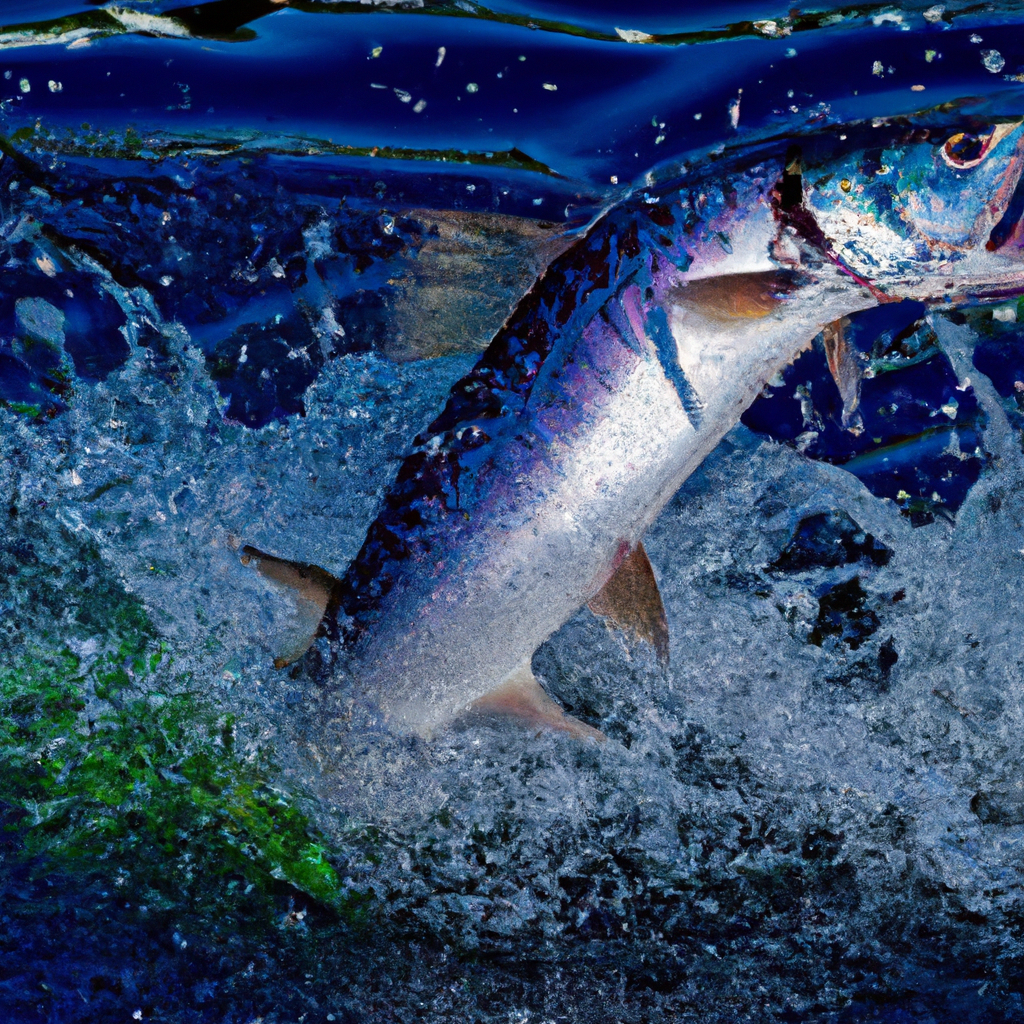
[(247, 248)]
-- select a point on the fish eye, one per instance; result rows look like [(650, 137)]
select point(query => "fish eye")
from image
[(965, 150)]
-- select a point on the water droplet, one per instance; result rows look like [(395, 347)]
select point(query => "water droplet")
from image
[(993, 61)]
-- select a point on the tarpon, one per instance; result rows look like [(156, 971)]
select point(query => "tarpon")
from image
[(617, 373)]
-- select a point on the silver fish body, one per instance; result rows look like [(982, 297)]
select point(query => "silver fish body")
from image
[(618, 373)]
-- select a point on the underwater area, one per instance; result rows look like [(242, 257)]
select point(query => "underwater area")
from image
[(246, 249)]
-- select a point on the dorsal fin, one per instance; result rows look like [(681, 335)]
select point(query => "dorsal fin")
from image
[(632, 601), (310, 587)]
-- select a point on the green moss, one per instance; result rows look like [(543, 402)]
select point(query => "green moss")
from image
[(25, 409), (114, 764)]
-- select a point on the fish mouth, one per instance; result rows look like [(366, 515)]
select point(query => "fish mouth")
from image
[(1011, 288), (968, 291)]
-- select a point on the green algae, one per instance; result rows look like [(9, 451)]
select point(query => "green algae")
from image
[(29, 409), (111, 761)]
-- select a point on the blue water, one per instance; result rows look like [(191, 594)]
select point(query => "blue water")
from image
[(308, 73), (254, 120), (598, 112)]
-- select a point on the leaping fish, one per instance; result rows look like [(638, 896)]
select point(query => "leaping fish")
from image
[(616, 374)]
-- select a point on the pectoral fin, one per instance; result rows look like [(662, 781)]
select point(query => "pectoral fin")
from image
[(309, 586), (521, 697), (735, 296), (632, 601)]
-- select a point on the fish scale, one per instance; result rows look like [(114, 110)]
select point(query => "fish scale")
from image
[(613, 255), (616, 374), (497, 388)]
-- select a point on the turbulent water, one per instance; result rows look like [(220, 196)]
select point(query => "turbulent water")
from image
[(246, 250)]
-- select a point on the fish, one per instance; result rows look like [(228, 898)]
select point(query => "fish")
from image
[(617, 373)]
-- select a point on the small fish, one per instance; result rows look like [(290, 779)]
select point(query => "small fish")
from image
[(618, 372)]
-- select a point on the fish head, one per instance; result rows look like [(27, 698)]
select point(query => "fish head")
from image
[(919, 211), (954, 192)]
